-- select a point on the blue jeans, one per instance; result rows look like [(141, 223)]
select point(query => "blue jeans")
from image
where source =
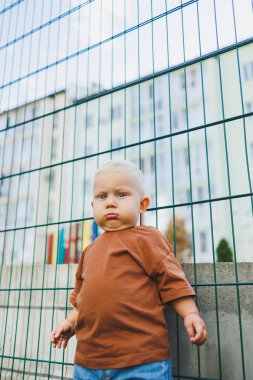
[(152, 371)]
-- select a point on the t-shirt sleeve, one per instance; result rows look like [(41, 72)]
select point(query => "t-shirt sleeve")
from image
[(78, 282), (170, 280), (169, 276)]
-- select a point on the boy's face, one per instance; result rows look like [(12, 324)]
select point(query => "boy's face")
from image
[(117, 200)]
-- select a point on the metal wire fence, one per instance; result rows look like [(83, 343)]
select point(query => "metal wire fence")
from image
[(165, 84)]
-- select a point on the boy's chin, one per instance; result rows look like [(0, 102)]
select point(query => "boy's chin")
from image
[(117, 228)]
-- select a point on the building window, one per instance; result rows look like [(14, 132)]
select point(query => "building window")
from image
[(51, 212), (179, 119), (152, 163), (247, 71), (55, 120), (203, 242), (148, 164), (177, 159), (160, 125), (188, 196), (143, 165), (175, 123), (193, 78), (186, 156), (248, 107), (2, 123), (88, 120), (3, 210), (116, 143), (200, 193), (212, 191), (7, 122), (184, 118), (150, 91), (34, 112), (116, 112), (50, 177), (198, 159), (182, 80), (159, 104), (4, 187), (251, 151), (54, 148), (26, 114)]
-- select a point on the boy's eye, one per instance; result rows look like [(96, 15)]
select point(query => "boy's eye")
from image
[(121, 195), (101, 196)]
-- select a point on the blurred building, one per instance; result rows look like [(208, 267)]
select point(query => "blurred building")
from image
[(59, 153)]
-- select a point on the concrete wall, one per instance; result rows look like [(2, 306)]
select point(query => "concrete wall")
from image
[(222, 308), (19, 337)]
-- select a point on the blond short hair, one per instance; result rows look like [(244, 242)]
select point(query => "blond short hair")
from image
[(128, 166)]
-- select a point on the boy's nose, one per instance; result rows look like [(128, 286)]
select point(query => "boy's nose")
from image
[(110, 202)]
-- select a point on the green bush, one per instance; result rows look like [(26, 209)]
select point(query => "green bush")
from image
[(224, 252)]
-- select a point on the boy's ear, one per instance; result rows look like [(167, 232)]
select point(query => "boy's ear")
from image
[(144, 204)]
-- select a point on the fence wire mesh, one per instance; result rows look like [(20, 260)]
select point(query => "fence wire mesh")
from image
[(165, 84)]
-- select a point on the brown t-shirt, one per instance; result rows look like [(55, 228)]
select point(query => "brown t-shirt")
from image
[(123, 280)]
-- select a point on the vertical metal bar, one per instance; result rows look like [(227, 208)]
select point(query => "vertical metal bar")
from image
[(230, 201), (189, 167), (36, 216), (86, 114), (48, 207), (60, 185), (154, 114), (4, 67), (243, 109), (99, 80), (4, 148), (111, 95), (210, 196), (139, 88), (249, 183), (27, 199), (15, 133), (125, 91), (171, 165), (6, 133), (72, 192), (61, 181)]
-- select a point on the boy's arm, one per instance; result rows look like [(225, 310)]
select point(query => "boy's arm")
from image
[(194, 324), (64, 330), (72, 317)]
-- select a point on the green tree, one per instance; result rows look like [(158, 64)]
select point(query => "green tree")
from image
[(183, 244), (224, 252)]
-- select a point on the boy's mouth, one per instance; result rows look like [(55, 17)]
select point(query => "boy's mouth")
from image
[(111, 216)]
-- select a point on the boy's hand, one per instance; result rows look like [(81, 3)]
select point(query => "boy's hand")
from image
[(62, 333), (196, 328)]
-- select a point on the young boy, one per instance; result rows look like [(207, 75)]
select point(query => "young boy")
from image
[(123, 281)]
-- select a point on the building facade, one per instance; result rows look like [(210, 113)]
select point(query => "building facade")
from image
[(183, 129)]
